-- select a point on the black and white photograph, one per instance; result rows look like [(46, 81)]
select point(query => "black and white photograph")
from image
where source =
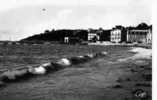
[(76, 50)]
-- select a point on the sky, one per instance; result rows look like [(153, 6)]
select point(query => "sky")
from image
[(22, 18)]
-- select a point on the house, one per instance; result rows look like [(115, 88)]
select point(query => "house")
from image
[(98, 35), (149, 37), (141, 34), (93, 35), (137, 35), (66, 39), (72, 40), (118, 34)]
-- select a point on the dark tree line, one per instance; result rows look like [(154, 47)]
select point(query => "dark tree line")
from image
[(58, 35)]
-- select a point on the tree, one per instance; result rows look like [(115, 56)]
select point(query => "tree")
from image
[(46, 31), (142, 26)]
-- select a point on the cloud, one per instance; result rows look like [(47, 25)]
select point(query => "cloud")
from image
[(22, 18), (9, 4), (64, 14)]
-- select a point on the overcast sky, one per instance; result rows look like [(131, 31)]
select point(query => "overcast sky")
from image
[(22, 18)]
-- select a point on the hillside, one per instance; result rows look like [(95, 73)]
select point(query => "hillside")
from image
[(57, 35)]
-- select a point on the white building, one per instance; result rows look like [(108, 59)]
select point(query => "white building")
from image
[(93, 34), (149, 37), (116, 35), (142, 36), (66, 39)]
